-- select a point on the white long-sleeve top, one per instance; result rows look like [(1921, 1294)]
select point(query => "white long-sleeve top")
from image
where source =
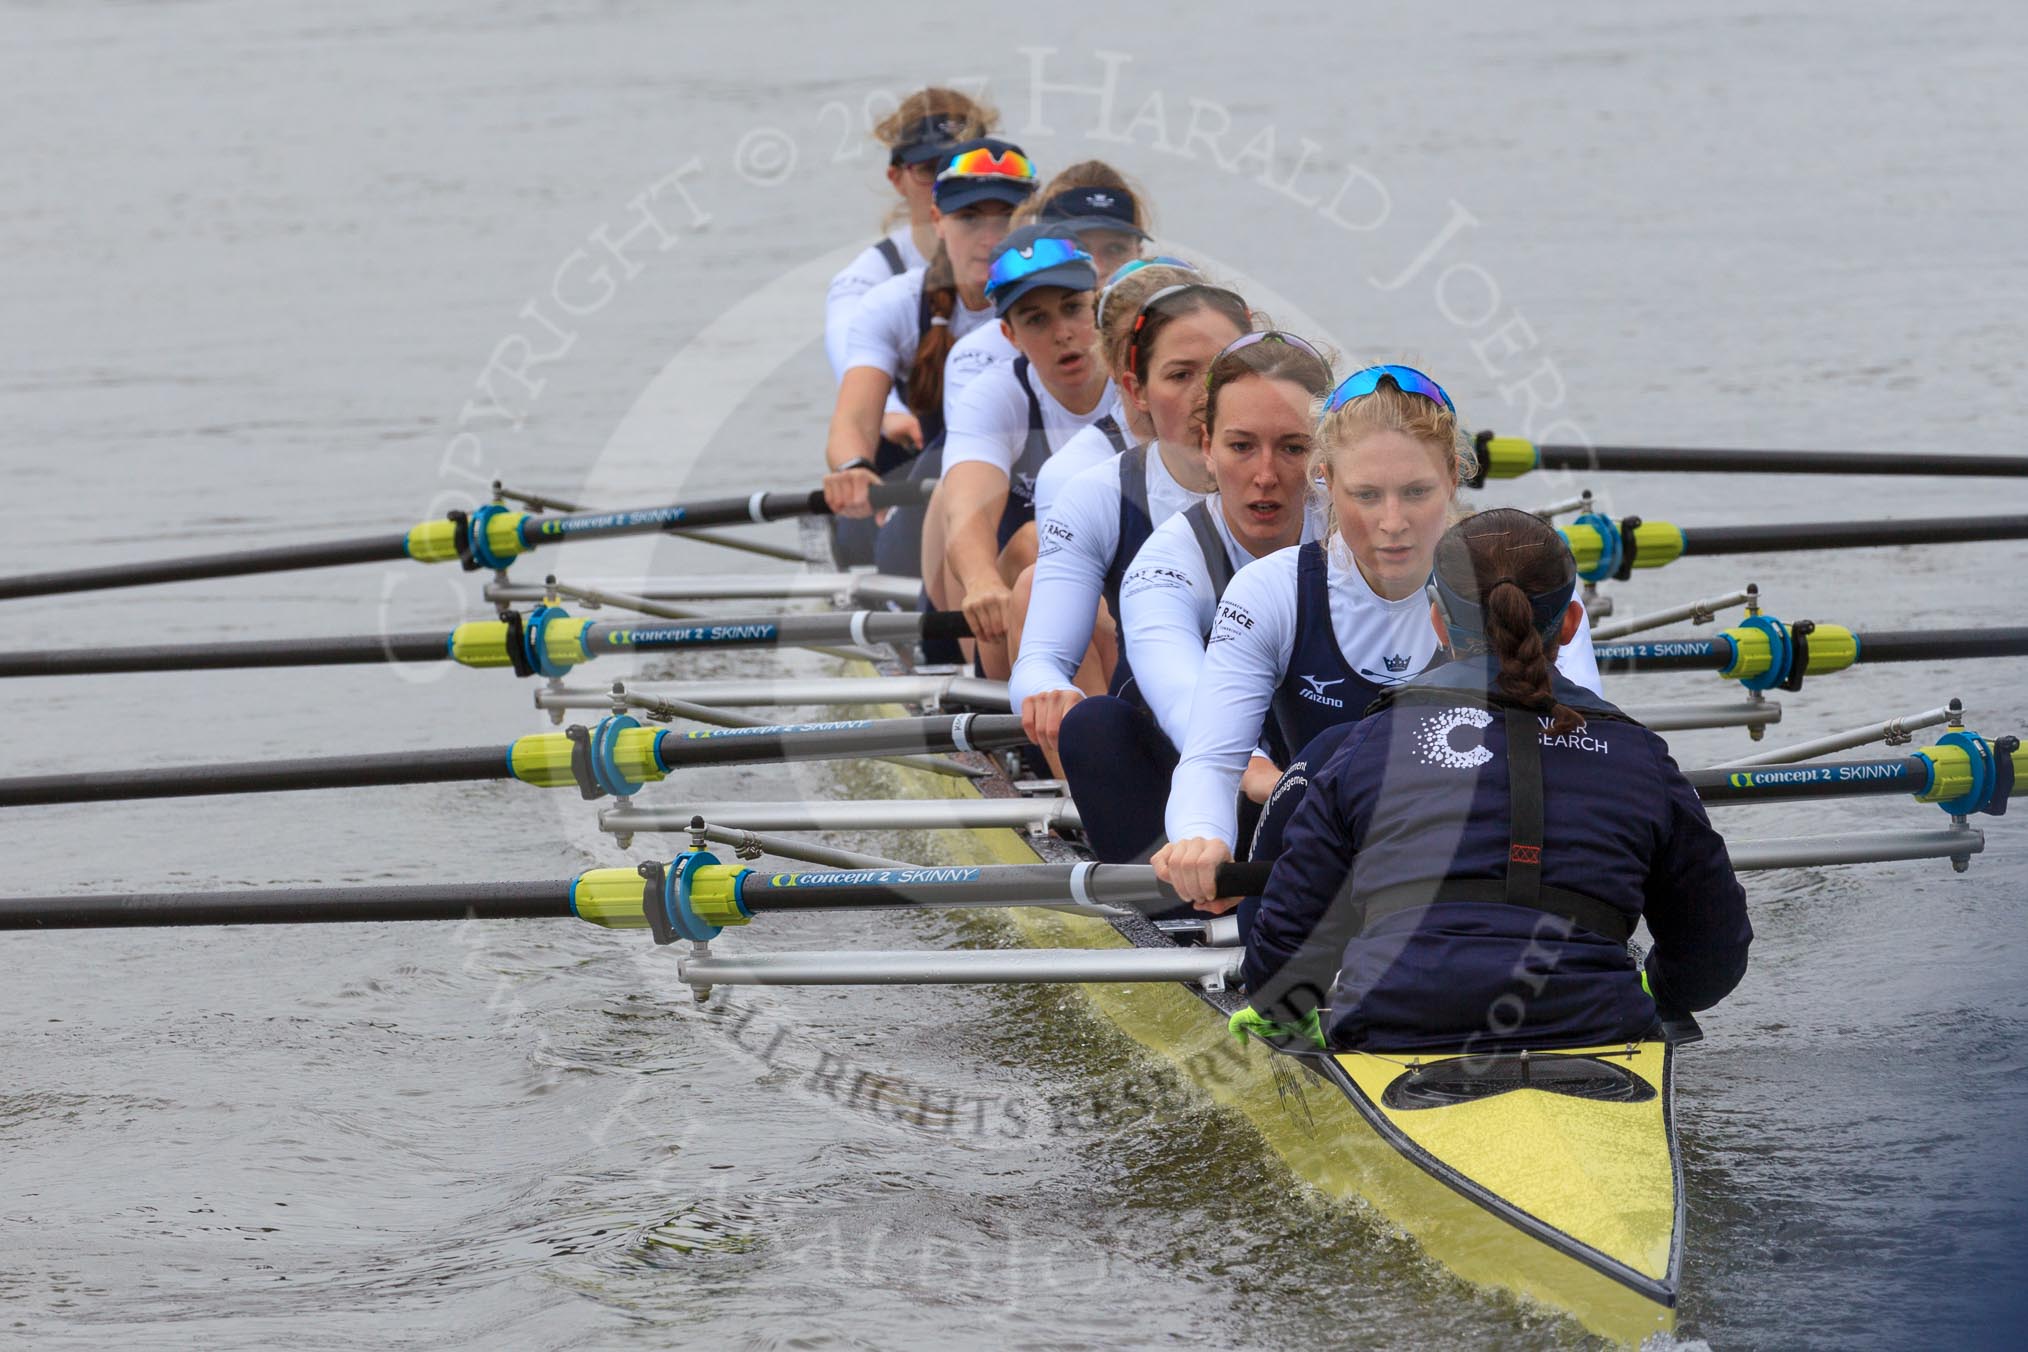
[(1167, 603), (1075, 546), (841, 301), (883, 333), (861, 275), (989, 423), (1248, 655), (971, 357), (1088, 447)]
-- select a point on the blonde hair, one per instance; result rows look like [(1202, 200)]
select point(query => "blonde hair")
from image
[(979, 119), (1088, 174), (1388, 408)]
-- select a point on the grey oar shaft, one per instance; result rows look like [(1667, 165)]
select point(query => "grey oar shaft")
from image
[(1859, 847), (862, 587), (903, 814), (842, 741), (621, 700), (830, 691), (1752, 713), (964, 967)]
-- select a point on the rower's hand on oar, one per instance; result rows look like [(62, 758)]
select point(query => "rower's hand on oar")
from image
[(1042, 715), (985, 605), (903, 429), (1191, 867), (845, 491), (1258, 783)]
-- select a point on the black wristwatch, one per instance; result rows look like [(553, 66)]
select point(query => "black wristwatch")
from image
[(856, 462)]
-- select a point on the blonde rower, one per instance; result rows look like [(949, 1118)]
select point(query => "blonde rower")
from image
[(1309, 637)]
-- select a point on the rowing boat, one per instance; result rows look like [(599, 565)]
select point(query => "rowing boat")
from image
[(1553, 1176)]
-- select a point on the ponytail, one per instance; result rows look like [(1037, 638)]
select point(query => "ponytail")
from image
[(1524, 664), (923, 391), (1503, 581)]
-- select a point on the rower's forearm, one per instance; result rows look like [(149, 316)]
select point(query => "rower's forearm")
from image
[(973, 553)]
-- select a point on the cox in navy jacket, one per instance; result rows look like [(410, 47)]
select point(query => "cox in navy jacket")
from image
[(1417, 792)]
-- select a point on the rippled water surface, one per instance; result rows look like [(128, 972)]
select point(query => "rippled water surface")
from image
[(279, 272)]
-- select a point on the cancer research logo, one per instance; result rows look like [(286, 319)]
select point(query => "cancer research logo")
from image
[(1433, 739)]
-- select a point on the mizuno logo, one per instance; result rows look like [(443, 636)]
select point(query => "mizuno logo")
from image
[(1315, 694), (1396, 664)]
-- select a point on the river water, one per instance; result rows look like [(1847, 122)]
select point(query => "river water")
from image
[(280, 272)]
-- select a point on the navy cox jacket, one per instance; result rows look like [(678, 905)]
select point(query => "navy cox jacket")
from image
[(1417, 793)]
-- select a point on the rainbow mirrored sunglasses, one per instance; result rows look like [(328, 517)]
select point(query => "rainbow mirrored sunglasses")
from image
[(1246, 340), (1048, 252), (1405, 378), (985, 162)]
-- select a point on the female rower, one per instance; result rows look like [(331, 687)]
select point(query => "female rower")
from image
[(1006, 426), (1119, 752), (1467, 868), (1094, 204), (1306, 638), (1118, 304), (1090, 531), (1103, 516), (905, 326), (919, 135)]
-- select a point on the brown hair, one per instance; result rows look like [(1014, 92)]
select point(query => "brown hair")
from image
[(923, 390), (1121, 301), (1503, 557), (1145, 325), (1088, 174), (1266, 358), (979, 119), (1389, 408)]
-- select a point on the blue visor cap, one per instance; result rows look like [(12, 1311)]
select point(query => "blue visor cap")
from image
[(1082, 209), (928, 138), (1037, 256)]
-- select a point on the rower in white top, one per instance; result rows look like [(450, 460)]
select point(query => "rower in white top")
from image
[(1253, 436), (1104, 514), (980, 529), (904, 327), (1306, 637)]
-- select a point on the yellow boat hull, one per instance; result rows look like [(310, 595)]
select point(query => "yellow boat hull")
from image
[(1586, 1220)]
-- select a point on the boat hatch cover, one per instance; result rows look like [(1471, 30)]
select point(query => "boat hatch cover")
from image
[(1465, 1079)]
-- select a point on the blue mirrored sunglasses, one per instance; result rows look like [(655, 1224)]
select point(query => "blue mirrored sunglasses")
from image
[(1045, 253), (1405, 378)]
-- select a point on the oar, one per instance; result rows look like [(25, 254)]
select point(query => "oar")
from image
[(1964, 773), (1605, 548), (616, 757), (547, 641), (623, 898), (1762, 653), (543, 503), (491, 537), (1512, 457)]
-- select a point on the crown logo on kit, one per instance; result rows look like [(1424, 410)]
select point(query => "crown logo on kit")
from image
[(1100, 199), (1395, 663)]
